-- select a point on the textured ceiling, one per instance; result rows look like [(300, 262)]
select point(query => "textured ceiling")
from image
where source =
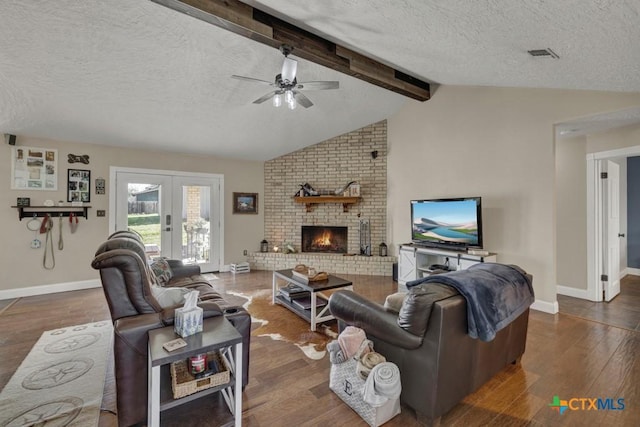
[(134, 73)]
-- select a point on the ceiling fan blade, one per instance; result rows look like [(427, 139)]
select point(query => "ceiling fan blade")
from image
[(320, 85), (302, 100), (251, 79), (289, 68), (265, 97)]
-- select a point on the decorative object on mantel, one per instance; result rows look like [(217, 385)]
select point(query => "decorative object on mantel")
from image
[(306, 190), (383, 249), (289, 248), (78, 158), (245, 203), (264, 246), (345, 191)]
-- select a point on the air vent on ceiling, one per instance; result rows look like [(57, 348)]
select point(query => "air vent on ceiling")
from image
[(543, 52)]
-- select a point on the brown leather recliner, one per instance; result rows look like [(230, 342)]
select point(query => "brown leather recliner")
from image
[(126, 281), (439, 363)]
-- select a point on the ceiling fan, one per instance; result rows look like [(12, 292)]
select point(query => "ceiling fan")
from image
[(286, 84)]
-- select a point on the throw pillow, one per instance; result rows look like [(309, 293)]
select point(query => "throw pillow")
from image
[(162, 271), (169, 297), (393, 302)]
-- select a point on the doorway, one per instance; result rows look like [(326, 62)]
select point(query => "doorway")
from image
[(602, 222), (177, 214)]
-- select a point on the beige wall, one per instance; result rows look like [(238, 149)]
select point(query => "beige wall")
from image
[(497, 143), (628, 136), (22, 266), (571, 226)]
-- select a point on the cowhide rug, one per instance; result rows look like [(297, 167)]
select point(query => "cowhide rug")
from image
[(279, 323)]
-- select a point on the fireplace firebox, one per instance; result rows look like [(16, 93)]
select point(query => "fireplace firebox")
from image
[(324, 239)]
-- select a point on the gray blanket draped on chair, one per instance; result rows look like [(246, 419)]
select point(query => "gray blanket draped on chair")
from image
[(496, 294)]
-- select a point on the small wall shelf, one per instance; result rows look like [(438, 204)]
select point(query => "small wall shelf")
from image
[(313, 200), (52, 211)]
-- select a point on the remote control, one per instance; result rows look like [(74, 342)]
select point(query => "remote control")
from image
[(174, 344)]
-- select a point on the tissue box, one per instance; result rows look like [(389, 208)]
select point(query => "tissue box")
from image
[(187, 321)]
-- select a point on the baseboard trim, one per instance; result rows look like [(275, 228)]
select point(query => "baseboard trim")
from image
[(546, 307), (573, 292), (49, 289), (632, 271)]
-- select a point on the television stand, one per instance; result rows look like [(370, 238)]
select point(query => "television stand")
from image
[(415, 261)]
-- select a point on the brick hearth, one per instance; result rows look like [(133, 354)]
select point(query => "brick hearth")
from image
[(330, 263)]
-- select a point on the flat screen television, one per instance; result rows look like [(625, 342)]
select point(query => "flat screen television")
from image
[(447, 223)]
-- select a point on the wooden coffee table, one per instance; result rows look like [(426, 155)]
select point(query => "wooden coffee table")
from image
[(311, 315)]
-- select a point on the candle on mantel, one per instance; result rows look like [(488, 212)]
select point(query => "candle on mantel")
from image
[(276, 249)]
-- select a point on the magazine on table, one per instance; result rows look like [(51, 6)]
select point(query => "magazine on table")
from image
[(305, 302)]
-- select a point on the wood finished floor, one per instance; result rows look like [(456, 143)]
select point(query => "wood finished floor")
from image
[(623, 311), (566, 356)]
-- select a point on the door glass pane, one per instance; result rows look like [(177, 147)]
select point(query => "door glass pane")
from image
[(143, 215), (196, 242)]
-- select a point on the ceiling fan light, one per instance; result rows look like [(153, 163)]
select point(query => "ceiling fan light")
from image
[(277, 100), (292, 105), (288, 96)]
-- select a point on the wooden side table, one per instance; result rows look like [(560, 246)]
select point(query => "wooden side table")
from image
[(217, 334)]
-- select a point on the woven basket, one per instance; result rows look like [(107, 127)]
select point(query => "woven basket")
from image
[(183, 383)]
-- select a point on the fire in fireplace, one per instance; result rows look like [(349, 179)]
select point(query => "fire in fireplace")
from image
[(324, 239)]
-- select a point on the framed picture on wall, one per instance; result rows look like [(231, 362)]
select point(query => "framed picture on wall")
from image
[(78, 185), (245, 203), (34, 168)]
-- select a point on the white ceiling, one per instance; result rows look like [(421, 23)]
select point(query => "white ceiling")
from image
[(134, 73)]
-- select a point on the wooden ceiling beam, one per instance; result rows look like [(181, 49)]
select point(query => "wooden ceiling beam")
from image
[(247, 21)]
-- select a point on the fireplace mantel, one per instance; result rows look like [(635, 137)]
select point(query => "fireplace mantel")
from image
[(312, 200)]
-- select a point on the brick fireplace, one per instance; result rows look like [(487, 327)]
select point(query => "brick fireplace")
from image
[(328, 166)]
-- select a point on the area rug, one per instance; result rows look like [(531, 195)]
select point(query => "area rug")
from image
[(61, 380), (279, 323), (210, 276)]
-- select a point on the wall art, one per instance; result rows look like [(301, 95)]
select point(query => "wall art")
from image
[(34, 168)]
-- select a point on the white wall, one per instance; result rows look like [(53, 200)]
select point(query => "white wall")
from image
[(497, 143), (22, 266)]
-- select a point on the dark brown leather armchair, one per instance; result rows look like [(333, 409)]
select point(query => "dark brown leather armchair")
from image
[(126, 281), (439, 363)]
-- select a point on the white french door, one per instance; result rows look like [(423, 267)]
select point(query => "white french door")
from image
[(177, 214)]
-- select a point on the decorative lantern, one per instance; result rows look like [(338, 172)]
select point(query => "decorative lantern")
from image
[(264, 246), (383, 249)]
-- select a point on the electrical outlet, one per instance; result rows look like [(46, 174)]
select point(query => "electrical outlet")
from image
[(101, 213), (245, 252)]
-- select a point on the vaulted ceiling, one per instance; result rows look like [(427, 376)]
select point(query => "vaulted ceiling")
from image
[(136, 73)]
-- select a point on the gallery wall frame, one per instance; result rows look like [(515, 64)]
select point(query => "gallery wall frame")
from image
[(78, 185), (245, 203), (34, 168)]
